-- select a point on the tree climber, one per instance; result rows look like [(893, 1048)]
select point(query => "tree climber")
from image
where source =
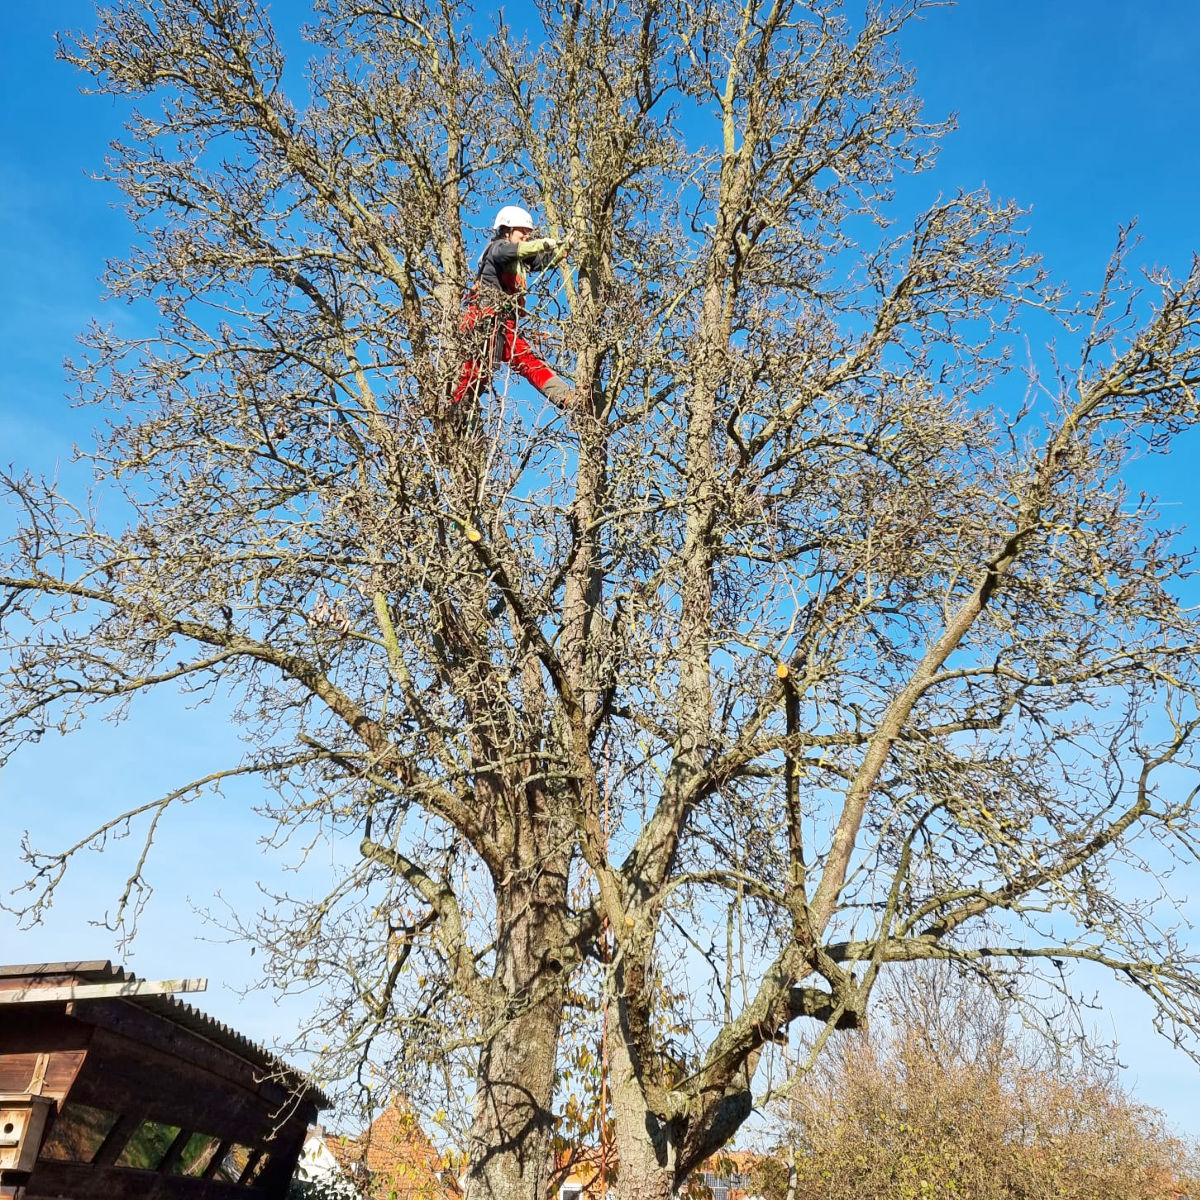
[(497, 306)]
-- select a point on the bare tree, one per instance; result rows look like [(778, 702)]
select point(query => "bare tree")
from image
[(784, 659)]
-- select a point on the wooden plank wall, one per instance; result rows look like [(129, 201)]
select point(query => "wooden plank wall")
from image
[(60, 1179), (120, 1057), (124, 1058), (29, 1033)]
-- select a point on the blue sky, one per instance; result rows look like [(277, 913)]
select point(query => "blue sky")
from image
[(1083, 110)]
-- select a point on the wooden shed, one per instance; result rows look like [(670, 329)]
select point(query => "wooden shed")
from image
[(112, 1088)]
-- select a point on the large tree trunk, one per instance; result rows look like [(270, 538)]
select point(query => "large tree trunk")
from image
[(509, 1153), (644, 1143), (509, 1149)]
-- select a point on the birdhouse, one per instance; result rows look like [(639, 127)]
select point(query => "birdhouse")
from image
[(22, 1119)]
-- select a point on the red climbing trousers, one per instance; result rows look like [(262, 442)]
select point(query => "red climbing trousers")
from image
[(492, 335)]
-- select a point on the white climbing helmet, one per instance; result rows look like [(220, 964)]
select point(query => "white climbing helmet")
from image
[(512, 217)]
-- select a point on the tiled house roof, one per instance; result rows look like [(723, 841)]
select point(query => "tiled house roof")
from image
[(578, 1171), (724, 1176), (394, 1160)]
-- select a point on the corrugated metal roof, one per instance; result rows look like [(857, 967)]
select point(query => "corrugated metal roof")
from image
[(177, 1011)]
